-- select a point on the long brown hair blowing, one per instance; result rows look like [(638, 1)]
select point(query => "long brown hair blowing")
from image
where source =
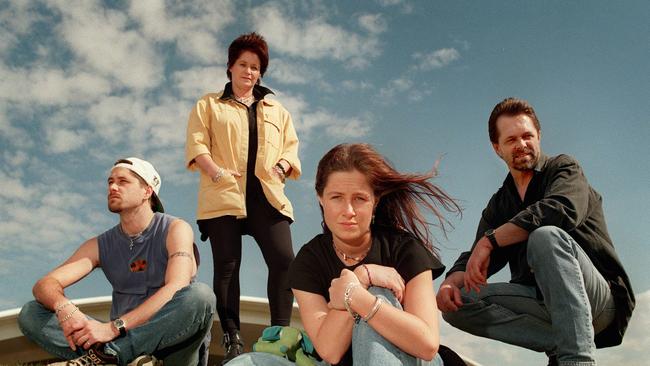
[(400, 195)]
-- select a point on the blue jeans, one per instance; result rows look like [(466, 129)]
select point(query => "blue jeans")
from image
[(178, 333), (368, 346), (576, 304)]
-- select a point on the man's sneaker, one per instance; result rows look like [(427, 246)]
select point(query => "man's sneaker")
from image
[(94, 356), (233, 344)]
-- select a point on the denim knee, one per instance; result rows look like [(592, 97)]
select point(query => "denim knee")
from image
[(27, 316), (199, 296), (386, 295), (540, 241)]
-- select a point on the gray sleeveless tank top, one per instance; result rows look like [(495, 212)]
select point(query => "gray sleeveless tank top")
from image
[(135, 268)]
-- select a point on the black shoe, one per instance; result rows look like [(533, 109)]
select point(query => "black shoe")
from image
[(552, 360), (233, 344), (449, 357)]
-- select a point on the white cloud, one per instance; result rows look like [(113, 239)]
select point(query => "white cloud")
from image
[(43, 213), (297, 73), (103, 41), (195, 82), (403, 86), (312, 121), (312, 38), (396, 87), (192, 25), (18, 16), (64, 140), (436, 59), (50, 86), (9, 134), (140, 123), (14, 189), (356, 85), (404, 6), (373, 23), (634, 350)]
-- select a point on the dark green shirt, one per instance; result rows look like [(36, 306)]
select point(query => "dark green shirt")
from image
[(558, 195)]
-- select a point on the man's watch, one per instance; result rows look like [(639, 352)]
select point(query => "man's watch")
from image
[(120, 325), (489, 234)]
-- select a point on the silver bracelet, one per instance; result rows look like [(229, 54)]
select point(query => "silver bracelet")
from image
[(67, 317), (60, 307), (347, 297), (280, 171), (220, 173), (374, 310)]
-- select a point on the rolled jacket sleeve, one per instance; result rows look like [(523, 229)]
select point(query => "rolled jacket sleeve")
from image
[(198, 134), (290, 147)]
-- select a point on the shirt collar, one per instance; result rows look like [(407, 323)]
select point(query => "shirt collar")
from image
[(541, 162)]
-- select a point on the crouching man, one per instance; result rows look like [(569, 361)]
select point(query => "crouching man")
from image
[(158, 312), (568, 292)]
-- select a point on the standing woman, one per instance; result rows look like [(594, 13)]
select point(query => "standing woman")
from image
[(244, 146), (364, 286)]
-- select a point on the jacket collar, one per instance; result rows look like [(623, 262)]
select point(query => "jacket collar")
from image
[(258, 91)]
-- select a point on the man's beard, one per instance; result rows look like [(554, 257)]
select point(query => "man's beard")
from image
[(527, 164)]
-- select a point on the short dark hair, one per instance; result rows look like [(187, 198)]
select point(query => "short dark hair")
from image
[(510, 107), (252, 42)]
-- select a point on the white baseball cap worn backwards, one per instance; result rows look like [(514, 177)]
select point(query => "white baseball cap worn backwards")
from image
[(148, 173)]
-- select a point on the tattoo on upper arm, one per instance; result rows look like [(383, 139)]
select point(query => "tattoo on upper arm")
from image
[(181, 254)]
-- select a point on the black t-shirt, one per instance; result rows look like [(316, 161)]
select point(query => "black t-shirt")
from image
[(317, 264)]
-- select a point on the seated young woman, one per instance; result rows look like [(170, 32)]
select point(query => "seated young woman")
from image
[(365, 285)]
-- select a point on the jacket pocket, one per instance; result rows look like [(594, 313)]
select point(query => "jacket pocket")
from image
[(272, 133)]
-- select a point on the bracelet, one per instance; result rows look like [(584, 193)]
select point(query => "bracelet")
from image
[(347, 297), (60, 307), (284, 172), (374, 310), (219, 175), (368, 273), (67, 317), (280, 170)]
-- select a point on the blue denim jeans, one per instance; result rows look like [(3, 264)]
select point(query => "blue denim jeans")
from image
[(178, 333), (576, 304), (368, 346)]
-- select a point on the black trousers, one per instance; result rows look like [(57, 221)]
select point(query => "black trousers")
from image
[(270, 229)]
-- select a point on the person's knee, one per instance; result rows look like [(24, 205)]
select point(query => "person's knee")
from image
[(385, 294), (199, 296), (203, 294), (454, 318), (544, 240), (27, 315), (541, 238)]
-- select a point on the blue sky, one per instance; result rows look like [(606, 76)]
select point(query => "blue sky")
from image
[(84, 83)]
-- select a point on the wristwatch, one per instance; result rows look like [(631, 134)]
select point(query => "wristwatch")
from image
[(490, 235), (120, 325)]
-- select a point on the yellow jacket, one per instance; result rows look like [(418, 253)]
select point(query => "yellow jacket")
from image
[(219, 127)]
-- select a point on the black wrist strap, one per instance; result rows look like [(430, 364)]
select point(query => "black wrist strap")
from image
[(490, 235)]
